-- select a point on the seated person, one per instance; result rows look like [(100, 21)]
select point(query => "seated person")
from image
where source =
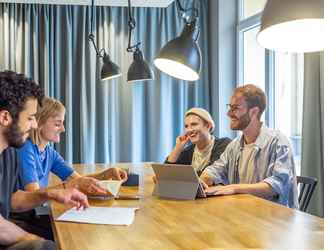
[(18, 105), (38, 158), (197, 146), (259, 161)]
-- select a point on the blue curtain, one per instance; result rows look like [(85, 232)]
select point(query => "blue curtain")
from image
[(108, 121)]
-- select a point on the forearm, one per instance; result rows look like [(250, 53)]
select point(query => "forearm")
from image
[(99, 175), (71, 182), (207, 179), (11, 233), (260, 189), (174, 155), (23, 201)]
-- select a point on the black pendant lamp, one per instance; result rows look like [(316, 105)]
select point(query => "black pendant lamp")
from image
[(139, 70), (109, 69), (181, 57)]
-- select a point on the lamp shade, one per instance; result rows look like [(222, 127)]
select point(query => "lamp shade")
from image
[(109, 69), (181, 57), (139, 70), (293, 25)]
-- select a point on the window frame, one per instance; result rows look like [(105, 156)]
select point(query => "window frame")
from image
[(243, 26)]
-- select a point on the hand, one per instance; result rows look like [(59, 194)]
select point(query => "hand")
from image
[(69, 196), (203, 184), (87, 185), (182, 140), (221, 190), (29, 236), (115, 174), (154, 179), (205, 178), (201, 191)]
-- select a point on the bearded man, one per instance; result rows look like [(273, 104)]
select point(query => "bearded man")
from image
[(259, 161), (19, 97)]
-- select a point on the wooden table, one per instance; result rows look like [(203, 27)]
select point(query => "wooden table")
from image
[(228, 222)]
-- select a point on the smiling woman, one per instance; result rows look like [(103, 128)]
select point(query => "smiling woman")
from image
[(38, 158), (197, 146)]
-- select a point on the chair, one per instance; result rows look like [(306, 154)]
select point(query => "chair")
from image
[(306, 187)]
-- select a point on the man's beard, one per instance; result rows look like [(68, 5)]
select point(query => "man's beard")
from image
[(14, 136), (244, 121)]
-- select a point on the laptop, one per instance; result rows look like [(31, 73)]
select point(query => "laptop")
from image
[(177, 182)]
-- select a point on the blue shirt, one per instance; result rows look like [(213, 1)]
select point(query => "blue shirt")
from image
[(35, 165), (274, 164)]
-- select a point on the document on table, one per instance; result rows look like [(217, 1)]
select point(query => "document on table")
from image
[(100, 215)]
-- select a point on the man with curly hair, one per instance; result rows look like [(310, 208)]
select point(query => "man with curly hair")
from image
[(19, 97)]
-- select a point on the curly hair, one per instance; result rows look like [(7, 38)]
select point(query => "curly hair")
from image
[(15, 90)]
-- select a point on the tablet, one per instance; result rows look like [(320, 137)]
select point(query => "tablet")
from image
[(177, 182)]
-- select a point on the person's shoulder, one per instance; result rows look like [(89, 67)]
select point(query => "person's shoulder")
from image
[(10, 151), (188, 148), (28, 146), (11, 155), (278, 136), (222, 141), (275, 138)]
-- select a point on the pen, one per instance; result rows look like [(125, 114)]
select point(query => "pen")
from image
[(128, 197)]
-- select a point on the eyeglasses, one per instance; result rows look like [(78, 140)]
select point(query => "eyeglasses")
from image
[(232, 107)]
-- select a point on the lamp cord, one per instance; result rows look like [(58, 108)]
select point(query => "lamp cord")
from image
[(185, 12), (131, 27), (102, 52)]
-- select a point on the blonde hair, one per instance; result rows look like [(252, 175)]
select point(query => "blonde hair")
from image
[(50, 107)]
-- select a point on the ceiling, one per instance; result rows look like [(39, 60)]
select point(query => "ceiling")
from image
[(135, 3)]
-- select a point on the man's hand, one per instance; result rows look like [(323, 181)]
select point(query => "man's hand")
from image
[(222, 190), (69, 196), (87, 185), (205, 178), (115, 174), (29, 236)]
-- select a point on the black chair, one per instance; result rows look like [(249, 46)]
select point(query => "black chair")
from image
[(306, 187)]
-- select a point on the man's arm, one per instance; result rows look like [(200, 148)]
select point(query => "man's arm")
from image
[(261, 189), (217, 173), (24, 201), (11, 234)]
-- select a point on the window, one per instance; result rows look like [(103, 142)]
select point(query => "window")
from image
[(280, 75), (254, 59), (252, 7), (289, 98)]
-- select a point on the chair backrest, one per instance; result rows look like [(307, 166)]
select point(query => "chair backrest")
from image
[(306, 187)]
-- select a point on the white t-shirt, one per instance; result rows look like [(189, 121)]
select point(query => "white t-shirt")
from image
[(247, 166)]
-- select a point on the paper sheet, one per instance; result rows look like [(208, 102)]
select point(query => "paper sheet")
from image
[(100, 215), (112, 186)]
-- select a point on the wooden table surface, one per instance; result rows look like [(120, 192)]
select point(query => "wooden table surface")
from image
[(227, 222)]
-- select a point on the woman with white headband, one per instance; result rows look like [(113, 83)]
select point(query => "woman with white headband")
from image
[(197, 146)]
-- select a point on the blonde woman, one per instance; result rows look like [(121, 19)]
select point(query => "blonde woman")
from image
[(38, 158)]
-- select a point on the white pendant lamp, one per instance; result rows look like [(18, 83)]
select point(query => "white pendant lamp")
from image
[(293, 26)]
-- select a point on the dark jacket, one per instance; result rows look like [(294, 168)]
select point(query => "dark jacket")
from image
[(185, 158)]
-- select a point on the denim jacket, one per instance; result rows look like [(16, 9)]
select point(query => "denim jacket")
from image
[(274, 164)]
